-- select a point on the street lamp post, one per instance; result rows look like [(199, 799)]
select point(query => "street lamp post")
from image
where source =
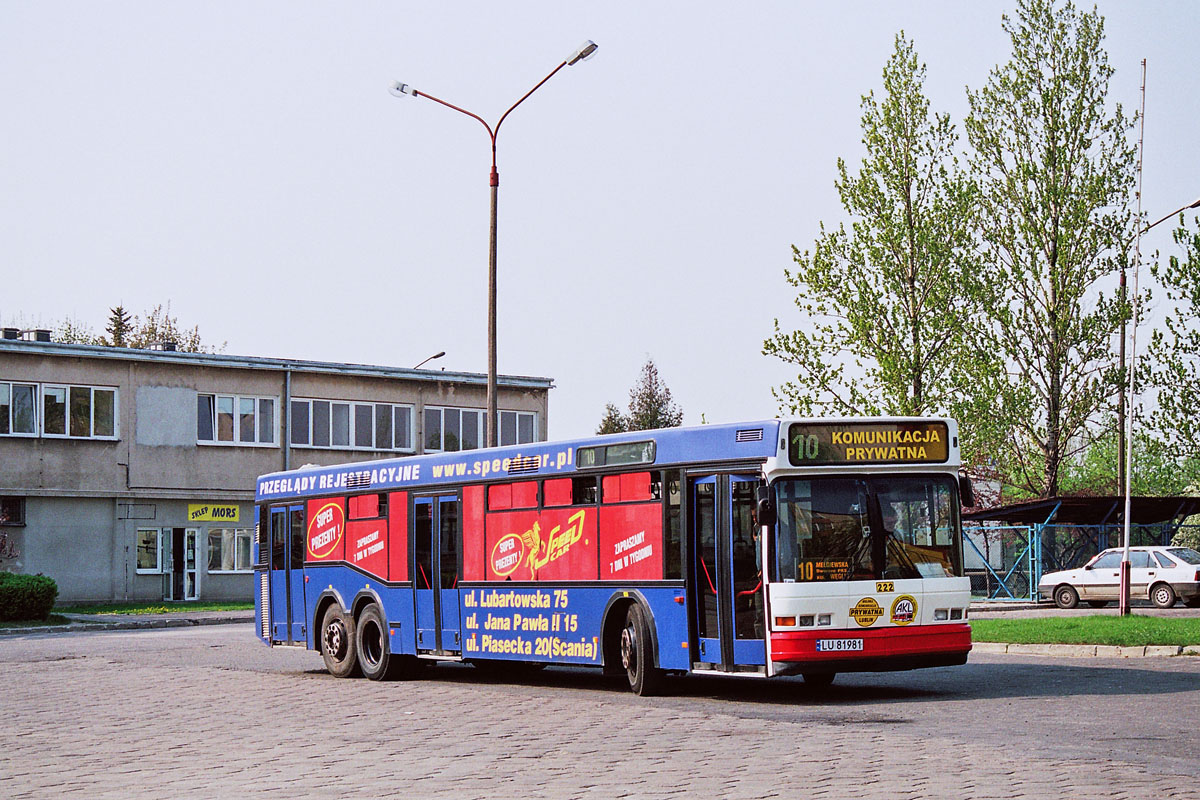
[(584, 51), (431, 358), (1127, 423)]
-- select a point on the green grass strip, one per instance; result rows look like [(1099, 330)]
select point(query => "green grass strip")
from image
[(1131, 631), (159, 607)]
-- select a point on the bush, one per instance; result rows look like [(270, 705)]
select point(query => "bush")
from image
[(26, 596)]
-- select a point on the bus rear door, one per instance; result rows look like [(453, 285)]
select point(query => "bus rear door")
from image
[(436, 572), (726, 580), (286, 576)]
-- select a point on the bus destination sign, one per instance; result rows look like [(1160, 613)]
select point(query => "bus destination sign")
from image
[(852, 443)]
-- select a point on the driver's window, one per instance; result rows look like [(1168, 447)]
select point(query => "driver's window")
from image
[(1108, 561)]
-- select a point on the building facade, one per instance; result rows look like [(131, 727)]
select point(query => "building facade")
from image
[(128, 475)]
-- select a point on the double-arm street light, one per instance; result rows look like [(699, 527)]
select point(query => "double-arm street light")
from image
[(398, 89)]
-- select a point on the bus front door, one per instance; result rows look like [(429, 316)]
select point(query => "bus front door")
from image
[(288, 545), (726, 580), (437, 536)]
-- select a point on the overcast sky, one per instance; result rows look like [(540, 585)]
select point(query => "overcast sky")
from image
[(246, 163)]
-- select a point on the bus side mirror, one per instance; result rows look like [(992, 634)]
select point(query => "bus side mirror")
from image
[(765, 508), (966, 491)]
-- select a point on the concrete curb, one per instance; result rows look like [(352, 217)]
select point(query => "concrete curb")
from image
[(1085, 650), (128, 625)]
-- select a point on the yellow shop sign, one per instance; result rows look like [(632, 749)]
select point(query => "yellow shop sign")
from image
[(211, 512)]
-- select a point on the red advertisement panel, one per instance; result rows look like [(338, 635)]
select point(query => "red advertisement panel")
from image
[(556, 544), (366, 545), (473, 554), (631, 542), (398, 536), (326, 529)]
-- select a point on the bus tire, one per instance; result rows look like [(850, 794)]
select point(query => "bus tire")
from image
[(637, 650), (338, 649), (375, 656), (819, 680)]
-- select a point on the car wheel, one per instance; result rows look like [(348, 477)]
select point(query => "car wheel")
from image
[(645, 679), (338, 648), (1066, 596), (1097, 603), (1162, 595)]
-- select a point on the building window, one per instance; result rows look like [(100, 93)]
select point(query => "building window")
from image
[(236, 420), (228, 550), (450, 429), (77, 412), (517, 427), (149, 551), (18, 409), (12, 511), (349, 425)]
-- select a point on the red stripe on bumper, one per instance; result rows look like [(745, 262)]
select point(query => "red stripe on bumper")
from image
[(884, 642)]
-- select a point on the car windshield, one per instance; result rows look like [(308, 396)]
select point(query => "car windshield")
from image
[(1185, 554), (838, 529)]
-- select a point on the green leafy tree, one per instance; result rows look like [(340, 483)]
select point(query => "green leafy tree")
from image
[(156, 327), (74, 331), (884, 304), (1157, 472), (650, 406), (1056, 176), (613, 421), (1175, 350)]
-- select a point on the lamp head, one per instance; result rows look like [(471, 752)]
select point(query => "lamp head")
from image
[(400, 89), (582, 53)]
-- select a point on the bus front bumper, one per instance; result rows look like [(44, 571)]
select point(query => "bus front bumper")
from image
[(892, 648)]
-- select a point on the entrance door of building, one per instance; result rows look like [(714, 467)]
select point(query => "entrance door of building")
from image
[(436, 572), (181, 577)]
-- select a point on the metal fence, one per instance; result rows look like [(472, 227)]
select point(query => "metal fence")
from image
[(1005, 562)]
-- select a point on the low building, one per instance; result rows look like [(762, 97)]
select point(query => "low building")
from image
[(128, 475)]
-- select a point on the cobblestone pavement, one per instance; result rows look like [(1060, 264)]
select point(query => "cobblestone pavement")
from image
[(210, 713)]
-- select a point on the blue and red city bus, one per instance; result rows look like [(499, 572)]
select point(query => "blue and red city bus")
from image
[(639, 553)]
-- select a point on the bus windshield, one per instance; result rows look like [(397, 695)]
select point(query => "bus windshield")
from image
[(843, 528)]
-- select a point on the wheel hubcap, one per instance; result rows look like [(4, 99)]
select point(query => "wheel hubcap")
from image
[(628, 651), (335, 640)]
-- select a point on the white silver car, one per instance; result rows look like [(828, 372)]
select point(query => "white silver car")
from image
[(1159, 574)]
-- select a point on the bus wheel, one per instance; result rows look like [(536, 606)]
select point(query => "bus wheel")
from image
[(819, 680), (337, 644), (375, 657), (644, 678)]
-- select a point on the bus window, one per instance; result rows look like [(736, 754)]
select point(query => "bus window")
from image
[(632, 487), (583, 491), (672, 551), (822, 532), (919, 520), (557, 492), (747, 558), (706, 578), (423, 525), (368, 506), (449, 555)]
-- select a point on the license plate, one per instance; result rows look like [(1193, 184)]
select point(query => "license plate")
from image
[(838, 645)]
